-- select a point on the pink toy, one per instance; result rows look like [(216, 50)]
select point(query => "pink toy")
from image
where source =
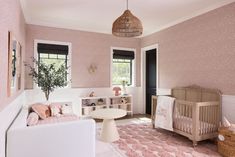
[(117, 91)]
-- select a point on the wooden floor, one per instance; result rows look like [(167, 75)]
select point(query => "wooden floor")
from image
[(129, 117), (136, 116)]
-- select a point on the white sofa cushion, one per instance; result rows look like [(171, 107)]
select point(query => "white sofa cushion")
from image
[(68, 139)]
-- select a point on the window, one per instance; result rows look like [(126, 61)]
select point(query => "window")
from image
[(53, 54), (122, 67)]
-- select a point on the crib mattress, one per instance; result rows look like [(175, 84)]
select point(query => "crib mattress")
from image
[(185, 124)]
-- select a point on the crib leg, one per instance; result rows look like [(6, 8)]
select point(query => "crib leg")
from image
[(194, 143)]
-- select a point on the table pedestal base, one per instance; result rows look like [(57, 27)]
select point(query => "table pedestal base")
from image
[(109, 131)]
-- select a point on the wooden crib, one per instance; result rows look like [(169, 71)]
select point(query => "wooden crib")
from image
[(197, 112)]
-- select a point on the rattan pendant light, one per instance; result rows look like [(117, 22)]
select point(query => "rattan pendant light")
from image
[(127, 25)]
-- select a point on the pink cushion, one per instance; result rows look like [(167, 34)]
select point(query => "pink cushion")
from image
[(55, 109), (58, 105), (63, 118), (32, 119), (42, 110)]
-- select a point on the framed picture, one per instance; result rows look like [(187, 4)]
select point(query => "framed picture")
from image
[(19, 65), (14, 65), (9, 64)]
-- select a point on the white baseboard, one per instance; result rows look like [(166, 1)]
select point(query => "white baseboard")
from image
[(228, 107), (7, 115)]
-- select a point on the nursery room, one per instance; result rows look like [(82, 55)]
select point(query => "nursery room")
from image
[(117, 78)]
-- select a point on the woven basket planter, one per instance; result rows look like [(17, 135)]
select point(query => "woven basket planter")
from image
[(227, 147), (127, 25)]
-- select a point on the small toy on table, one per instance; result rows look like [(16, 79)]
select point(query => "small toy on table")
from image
[(117, 91)]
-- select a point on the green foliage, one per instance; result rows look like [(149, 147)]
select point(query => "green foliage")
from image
[(121, 71), (48, 76)]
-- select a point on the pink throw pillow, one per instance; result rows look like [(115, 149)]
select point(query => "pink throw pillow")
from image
[(32, 119), (55, 109), (43, 111)]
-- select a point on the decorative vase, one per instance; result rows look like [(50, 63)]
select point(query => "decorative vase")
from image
[(124, 88)]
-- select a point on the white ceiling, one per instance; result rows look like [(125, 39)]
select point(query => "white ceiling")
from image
[(98, 15)]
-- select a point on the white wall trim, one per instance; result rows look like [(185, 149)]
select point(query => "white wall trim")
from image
[(164, 91), (143, 71), (25, 10), (73, 95), (133, 66), (36, 41), (228, 107), (7, 116)]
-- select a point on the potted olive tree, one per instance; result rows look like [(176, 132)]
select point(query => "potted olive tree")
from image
[(48, 77)]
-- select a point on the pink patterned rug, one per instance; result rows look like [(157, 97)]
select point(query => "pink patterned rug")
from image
[(141, 140)]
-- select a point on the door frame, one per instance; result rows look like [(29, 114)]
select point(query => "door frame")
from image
[(143, 72)]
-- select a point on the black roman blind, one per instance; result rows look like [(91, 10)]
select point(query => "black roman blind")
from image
[(53, 49), (123, 54)]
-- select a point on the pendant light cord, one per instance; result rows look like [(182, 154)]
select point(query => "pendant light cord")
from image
[(127, 4)]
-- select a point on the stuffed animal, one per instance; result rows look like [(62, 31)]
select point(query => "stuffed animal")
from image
[(32, 119), (67, 109), (123, 100), (55, 110)]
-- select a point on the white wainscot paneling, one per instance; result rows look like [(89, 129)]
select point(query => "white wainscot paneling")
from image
[(7, 115), (228, 107), (228, 104), (73, 94), (163, 91)]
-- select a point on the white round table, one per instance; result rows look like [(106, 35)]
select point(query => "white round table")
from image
[(109, 131)]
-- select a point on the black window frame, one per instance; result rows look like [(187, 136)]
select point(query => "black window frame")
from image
[(45, 48), (124, 55), (66, 58)]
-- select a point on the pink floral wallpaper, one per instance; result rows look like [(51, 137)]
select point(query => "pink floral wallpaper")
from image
[(11, 19), (198, 51), (87, 48)]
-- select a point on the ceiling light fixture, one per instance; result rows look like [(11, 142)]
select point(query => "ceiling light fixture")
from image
[(127, 25)]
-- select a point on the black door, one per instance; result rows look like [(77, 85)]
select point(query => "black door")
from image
[(150, 78)]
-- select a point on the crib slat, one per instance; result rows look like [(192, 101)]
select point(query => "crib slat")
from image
[(211, 118), (205, 122), (187, 112), (208, 120), (213, 122), (216, 118), (182, 114), (203, 119)]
